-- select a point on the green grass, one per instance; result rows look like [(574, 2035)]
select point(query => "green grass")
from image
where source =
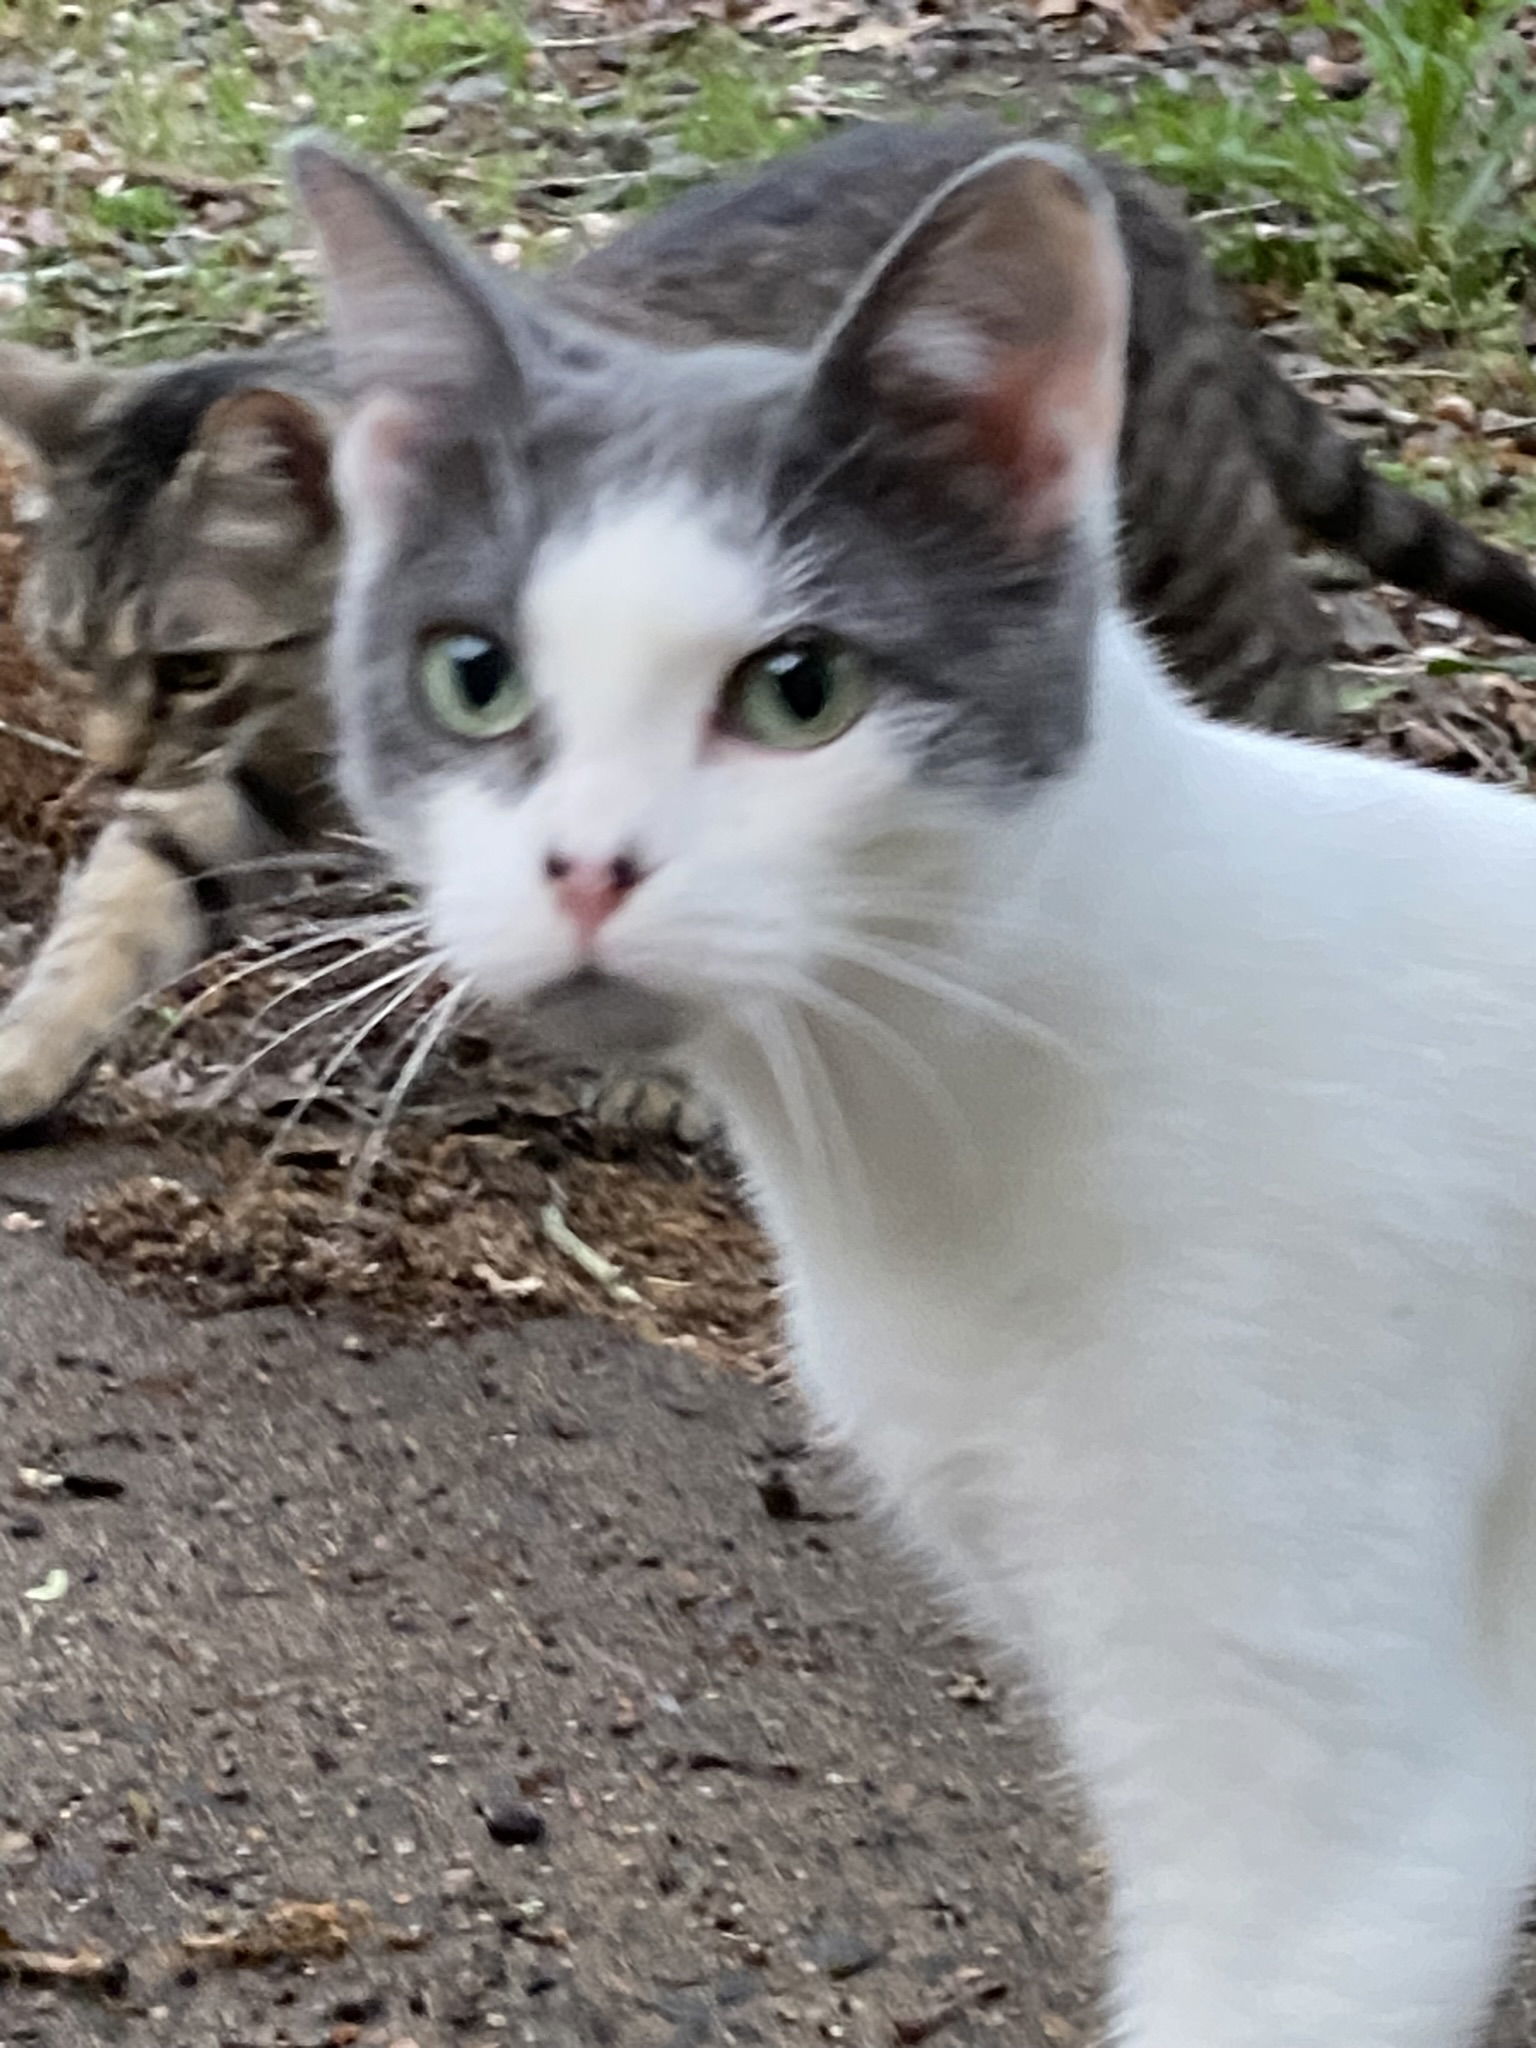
[(1402, 216), (1402, 222), (459, 98)]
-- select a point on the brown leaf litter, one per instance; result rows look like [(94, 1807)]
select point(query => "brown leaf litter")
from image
[(38, 758), (457, 1227)]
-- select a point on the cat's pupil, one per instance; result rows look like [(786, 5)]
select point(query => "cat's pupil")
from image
[(183, 672), (482, 669), (805, 683)]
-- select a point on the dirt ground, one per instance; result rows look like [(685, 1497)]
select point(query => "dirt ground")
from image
[(537, 1687)]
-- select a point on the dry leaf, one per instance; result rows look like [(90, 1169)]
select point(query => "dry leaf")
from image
[(293, 1929), (87, 1968), (884, 35), (800, 17), (503, 1288), (1143, 23)]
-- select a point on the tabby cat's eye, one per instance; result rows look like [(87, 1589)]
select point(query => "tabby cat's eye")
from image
[(183, 675), (798, 694), (472, 686)]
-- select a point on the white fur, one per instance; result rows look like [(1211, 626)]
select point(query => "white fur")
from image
[(628, 627), (1190, 1319)]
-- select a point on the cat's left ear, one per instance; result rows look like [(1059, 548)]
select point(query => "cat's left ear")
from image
[(267, 441), (991, 336), (419, 346)]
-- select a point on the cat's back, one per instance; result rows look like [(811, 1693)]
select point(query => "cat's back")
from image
[(769, 257), (1358, 939)]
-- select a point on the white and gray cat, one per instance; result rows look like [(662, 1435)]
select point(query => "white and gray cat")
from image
[(1139, 1106)]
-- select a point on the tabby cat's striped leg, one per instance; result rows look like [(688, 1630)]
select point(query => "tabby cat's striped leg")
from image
[(135, 914)]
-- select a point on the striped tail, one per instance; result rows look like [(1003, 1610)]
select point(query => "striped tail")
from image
[(1329, 491)]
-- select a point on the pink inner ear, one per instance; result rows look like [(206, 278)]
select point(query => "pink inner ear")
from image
[(377, 456), (1047, 419)]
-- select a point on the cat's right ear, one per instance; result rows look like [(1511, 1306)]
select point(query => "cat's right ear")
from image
[(990, 338), (46, 402), (420, 351)]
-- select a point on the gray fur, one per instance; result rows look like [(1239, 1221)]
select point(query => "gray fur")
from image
[(839, 459)]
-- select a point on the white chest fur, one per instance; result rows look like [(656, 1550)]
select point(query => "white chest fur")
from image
[(1203, 1361)]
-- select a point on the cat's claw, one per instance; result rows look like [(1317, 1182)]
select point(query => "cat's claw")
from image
[(650, 1105)]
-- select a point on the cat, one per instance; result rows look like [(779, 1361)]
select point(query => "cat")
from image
[(184, 561), (1137, 1103)]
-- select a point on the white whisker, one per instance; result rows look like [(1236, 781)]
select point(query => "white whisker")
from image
[(336, 934), (849, 452), (374, 1021), (310, 1023), (769, 1030), (845, 1167), (397, 932), (432, 1034), (884, 959), (298, 862), (888, 1044)]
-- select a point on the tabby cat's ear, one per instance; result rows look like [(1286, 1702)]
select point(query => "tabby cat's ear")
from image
[(46, 401), (265, 436), (991, 334)]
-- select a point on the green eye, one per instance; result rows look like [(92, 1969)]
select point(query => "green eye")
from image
[(800, 694), (472, 687)]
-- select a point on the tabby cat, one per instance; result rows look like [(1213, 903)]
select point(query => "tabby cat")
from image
[(185, 558)]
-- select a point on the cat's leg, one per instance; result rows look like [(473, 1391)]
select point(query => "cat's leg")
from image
[(133, 916), (1345, 1875)]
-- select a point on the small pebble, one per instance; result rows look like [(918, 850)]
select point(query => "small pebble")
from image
[(842, 1954), (780, 1501), (512, 1823), (93, 1486)]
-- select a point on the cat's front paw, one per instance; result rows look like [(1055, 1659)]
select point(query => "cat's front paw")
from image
[(650, 1106), (34, 1080)]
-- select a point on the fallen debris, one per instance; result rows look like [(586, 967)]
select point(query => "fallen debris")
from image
[(83, 1969)]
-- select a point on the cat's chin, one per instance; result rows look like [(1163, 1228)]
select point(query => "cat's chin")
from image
[(594, 1015)]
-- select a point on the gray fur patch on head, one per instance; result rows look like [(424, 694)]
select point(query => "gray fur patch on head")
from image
[(914, 566), (897, 524)]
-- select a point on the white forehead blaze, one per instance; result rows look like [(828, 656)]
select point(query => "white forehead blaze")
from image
[(632, 621)]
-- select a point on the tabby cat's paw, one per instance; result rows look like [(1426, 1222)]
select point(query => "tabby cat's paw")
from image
[(651, 1106), (33, 1081)]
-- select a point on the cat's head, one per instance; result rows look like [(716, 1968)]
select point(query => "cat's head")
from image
[(182, 533), (669, 676)]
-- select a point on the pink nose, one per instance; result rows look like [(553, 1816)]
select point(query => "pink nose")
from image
[(590, 891)]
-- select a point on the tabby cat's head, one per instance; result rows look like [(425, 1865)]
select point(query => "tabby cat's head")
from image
[(666, 674), (182, 536)]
